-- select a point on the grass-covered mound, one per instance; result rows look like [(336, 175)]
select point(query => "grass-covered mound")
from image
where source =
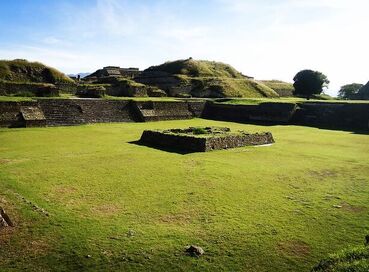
[(198, 68), (121, 86), (280, 87), (201, 78), (354, 259), (20, 70)]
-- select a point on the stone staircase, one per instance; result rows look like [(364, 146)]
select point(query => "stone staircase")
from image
[(61, 112), (158, 111)]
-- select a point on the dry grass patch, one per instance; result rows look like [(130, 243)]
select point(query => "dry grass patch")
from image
[(294, 248), (184, 218), (351, 208), (106, 210), (325, 173)]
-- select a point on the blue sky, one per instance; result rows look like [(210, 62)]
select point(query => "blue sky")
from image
[(267, 39)]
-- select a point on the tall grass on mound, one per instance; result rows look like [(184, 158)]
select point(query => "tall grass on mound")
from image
[(212, 79), (282, 88), (355, 259), (20, 70), (232, 87)]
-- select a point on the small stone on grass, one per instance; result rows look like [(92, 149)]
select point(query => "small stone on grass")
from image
[(194, 251)]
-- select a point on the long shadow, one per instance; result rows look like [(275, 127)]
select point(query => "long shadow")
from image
[(354, 130), (164, 148)]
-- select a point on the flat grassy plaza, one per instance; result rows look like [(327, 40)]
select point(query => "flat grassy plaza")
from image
[(87, 198)]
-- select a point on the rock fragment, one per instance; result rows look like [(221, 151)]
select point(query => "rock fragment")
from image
[(5, 219), (195, 251)]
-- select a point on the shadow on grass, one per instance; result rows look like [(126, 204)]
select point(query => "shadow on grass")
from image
[(353, 130), (180, 151)]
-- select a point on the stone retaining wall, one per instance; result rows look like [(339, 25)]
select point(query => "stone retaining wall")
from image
[(321, 114), (333, 115), (82, 111), (59, 112), (191, 143), (158, 111), (11, 113)]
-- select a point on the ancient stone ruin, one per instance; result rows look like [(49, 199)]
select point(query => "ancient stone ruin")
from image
[(113, 71), (5, 219), (203, 139)]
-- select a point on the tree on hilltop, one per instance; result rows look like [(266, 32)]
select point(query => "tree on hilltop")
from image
[(308, 83)]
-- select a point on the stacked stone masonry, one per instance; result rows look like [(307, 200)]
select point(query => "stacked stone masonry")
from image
[(61, 112), (55, 112), (190, 143)]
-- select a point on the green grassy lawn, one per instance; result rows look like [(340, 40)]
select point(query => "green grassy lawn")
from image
[(132, 207)]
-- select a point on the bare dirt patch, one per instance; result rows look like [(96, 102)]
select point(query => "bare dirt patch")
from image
[(37, 247), (65, 189), (295, 248), (106, 210), (177, 218), (325, 173), (5, 161), (351, 208)]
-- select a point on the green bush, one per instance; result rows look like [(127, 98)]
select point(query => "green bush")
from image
[(351, 259), (199, 131)]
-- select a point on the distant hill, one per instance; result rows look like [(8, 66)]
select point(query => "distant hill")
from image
[(82, 75), (20, 70), (201, 78)]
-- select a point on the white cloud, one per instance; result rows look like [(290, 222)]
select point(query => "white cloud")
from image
[(272, 39), (51, 40)]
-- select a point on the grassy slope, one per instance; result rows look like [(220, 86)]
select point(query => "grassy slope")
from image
[(251, 209), (24, 71), (216, 74), (198, 68), (279, 86)]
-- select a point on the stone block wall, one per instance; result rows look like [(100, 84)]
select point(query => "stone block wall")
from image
[(11, 113), (333, 115), (191, 143), (196, 107), (83, 111), (157, 111), (228, 112), (318, 114), (274, 112)]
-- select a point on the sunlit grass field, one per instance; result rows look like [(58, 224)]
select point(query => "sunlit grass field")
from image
[(86, 198)]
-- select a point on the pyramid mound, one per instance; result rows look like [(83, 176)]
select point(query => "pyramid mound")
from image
[(197, 68), (202, 78), (20, 70)]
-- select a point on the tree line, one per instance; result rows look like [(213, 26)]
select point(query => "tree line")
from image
[(308, 83)]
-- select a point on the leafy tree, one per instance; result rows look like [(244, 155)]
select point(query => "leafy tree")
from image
[(309, 82), (363, 93), (349, 91)]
